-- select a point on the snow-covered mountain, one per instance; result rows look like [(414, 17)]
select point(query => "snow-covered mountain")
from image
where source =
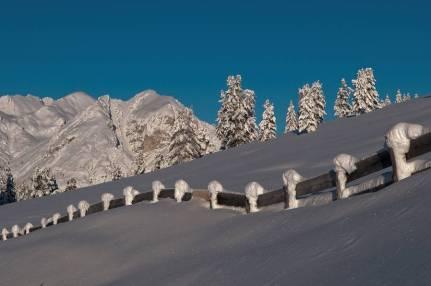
[(80, 137)]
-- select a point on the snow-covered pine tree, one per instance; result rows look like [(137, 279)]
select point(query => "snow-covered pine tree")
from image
[(139, 163), (307, 120), (407, 97), (43, 183), (319, 101), (267, 127), (7, 186), (387, 100), (23, 191), (291, 119), (398, 96), (365, 96), (184, 145), (236, 120), (70, 185), (342, 107)]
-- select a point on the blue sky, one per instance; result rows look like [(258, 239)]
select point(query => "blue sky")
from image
[(187, 48)]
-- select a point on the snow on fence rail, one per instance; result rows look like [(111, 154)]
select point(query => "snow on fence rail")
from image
[(403, 142), (417, 139)]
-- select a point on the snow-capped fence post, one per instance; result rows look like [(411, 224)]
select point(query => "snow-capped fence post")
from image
[(398, 140), (214, 188), (181, 188), (83, 207), (106, 199), (43, 222), (28, 227), (344, 165), (252, 192), (157, 186), (71, 211), (55, 218), (290, 179), (4, 233), (129, 194), (15, 230)]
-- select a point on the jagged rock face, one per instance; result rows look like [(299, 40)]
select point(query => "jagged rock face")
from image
[(80, 137)]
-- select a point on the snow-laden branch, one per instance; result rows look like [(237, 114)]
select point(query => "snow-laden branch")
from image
[(290, 179), (181, 187), (252, 192), (214, 187), (70, 211), (398, 140), (129, 194), (106, 199), (157, 186), (4, 233), (83, 207), (344, 165)]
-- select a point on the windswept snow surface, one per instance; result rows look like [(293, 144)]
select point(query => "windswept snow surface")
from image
[(374, 239)]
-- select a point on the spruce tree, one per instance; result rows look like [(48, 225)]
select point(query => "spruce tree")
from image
[(291, 119), (7, 186), (342, 105), (184, 145), (307, 121), (267, 127), (319, 101), (43, 183), (365, 97), (387, 100), (398, 96), (71, 185)]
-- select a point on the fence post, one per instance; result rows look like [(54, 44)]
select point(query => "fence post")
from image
[(181, 187), (290, 179), (344, 165), (252, 192), (398, 142), (157, 186), (214, 187)]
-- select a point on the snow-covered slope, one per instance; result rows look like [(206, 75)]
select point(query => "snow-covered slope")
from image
[(78, 136), (373, 239)]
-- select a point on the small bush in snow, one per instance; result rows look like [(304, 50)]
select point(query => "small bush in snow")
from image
[(83, 207), (15, 230), (106, 199), (4, 233), (129, 194), (70, 211), (55, 218), (290, 179), (181, 187), (214, 187), (157, 187), (252, 192)]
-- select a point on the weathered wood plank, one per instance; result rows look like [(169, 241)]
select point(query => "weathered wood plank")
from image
[(167, 193), (419, 146), (377, 162), (231, 199), (316, 184), (271, 198), (147, 196), (94, 208), (116, 203)]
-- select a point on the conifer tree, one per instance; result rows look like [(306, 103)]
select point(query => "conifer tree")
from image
[(43, 183), (7, 186), (267, 127), (342, 105), (307, 120), (398, 96), (291, 119), (319, 101), (365, 96), (71, 185), (387, 100)]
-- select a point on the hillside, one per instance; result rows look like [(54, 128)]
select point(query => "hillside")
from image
[(373, 239)]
